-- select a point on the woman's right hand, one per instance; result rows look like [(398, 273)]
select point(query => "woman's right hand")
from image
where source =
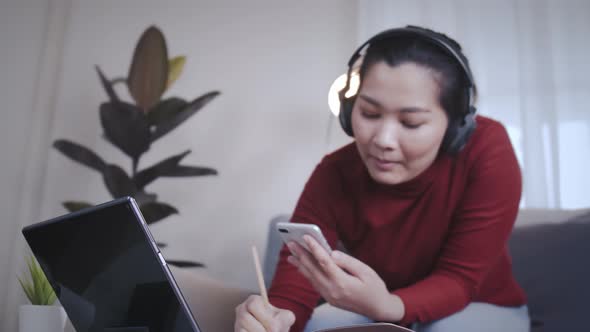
[(254, 315)]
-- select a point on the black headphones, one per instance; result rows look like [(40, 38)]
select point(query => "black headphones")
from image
[(459, 130)]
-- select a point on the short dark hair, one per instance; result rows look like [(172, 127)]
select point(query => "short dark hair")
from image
[(450, 76)]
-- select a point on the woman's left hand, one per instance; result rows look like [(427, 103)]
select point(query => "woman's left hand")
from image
[(346, 282)]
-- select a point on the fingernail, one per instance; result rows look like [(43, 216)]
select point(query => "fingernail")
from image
[(336, 254)]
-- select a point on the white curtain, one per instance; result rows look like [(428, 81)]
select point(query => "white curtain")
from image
[(531, 62)]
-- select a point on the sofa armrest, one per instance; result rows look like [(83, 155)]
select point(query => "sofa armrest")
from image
[(536, 216), (212, 302), (549, 262)]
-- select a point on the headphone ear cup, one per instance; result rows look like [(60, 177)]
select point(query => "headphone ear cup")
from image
[(345, 115), (459, 132)]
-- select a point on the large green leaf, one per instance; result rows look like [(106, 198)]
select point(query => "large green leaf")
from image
[(73, 206), (156, 211), (143, 197), (193, 107), (126, 127), (146, 176), (175, 67), (118, 182), (165, 110), (108, 87), (80, 154), (148, 73), (179, 171), (182, 263)]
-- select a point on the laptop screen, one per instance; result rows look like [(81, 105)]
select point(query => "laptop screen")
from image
[(107, 273)]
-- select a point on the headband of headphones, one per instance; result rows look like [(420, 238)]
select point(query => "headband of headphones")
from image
[(461, 127), (443, 42)]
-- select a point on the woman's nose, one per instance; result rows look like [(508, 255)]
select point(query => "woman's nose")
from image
[(387, 136)]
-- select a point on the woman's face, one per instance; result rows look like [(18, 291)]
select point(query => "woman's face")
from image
[(398, 122)]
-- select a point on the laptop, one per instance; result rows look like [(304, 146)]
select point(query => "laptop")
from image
[(108, 272)]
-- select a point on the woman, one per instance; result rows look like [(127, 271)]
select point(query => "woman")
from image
[(423, 201)]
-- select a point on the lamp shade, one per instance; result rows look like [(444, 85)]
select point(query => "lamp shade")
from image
[(339, 84)]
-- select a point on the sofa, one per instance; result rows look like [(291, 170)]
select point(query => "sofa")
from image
[(547, 247), (548, 258)]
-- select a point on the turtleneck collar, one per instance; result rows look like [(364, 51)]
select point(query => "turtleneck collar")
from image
[(413, 187)]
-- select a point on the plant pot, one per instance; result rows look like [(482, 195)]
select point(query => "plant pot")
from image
[(47, 318)]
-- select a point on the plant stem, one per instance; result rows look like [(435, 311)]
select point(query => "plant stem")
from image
[(134, 167)]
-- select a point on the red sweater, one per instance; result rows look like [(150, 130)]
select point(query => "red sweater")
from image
[(438, 241)]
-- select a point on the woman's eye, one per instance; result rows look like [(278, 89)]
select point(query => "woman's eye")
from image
[(411, 125), (370, 115)]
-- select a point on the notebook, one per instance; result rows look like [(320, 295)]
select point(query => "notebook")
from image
[(373, 327), (108, 272)]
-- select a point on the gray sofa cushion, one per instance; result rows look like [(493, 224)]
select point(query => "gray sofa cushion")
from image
[(550, 263)]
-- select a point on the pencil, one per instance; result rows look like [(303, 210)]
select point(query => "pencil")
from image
[(259, 275)]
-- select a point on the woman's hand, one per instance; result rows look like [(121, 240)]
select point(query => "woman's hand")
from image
[(346, 282), (254, 315)]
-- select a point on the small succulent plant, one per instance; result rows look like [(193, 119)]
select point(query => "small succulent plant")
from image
[(133, 127), (36, 286)]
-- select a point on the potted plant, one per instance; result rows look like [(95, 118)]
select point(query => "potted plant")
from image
[(41, 314), (133, 126)]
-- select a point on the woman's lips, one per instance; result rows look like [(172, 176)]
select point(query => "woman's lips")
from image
[(383, 164)]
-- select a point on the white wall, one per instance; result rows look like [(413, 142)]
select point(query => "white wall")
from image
[(273, 61), (22, 31)]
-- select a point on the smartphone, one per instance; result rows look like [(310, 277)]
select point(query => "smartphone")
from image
[(295, 232)]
